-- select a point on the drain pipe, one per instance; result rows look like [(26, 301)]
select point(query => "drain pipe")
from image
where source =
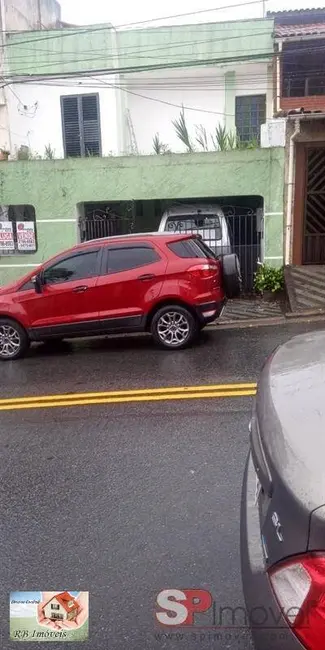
[(288, 237), (278, 78)]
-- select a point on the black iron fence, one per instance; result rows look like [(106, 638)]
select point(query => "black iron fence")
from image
[(244, 227)]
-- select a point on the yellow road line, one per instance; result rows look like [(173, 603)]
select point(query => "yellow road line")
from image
[(125, 394), (122, 400)]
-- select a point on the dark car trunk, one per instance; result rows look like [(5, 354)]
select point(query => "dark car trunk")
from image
[(288, 448)]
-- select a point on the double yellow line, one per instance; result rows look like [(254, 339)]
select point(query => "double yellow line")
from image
[(127, 396)]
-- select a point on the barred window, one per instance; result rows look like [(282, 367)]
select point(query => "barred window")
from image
[(250, 115), (18, 234)]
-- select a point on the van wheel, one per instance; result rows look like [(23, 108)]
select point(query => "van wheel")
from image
[(14, 341), (174, 327), (232, 279)]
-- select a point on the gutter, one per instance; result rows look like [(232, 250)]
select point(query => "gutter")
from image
[(278, 78), (288, 238)]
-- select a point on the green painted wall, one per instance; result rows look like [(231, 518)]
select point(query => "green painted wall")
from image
[(71, 50), (55, 188)]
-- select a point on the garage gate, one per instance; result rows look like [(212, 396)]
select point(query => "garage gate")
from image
[(244, 223)]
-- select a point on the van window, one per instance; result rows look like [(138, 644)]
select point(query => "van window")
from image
[(196, 224)]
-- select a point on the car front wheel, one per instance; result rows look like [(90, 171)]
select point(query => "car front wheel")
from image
[(174, 327), (13, 340)]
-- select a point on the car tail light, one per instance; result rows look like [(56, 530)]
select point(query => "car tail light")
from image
[(204, 271), (299, 587)]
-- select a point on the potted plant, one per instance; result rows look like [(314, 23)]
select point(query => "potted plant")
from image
[(269, 281), (4, 154)]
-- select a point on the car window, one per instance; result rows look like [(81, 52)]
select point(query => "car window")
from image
[(130, 257), (28, 285), (74, 267), (188, 248)]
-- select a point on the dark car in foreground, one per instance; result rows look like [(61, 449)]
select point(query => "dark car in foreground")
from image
[(283, 500), (169, 285)]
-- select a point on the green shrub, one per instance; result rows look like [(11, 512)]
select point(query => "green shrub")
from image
[(268, 278)]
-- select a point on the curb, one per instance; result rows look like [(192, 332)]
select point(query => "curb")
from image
[(241, 324), (265, 322)]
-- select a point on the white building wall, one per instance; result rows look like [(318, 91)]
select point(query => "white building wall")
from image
[(40, 124), (167, 91), (153, 101), (203, 89), (26, 14)]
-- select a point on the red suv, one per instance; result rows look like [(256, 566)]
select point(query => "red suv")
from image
[(170, 285)]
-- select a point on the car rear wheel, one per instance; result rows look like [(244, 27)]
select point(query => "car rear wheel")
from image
[(232, 279), (14, 341), (174, 327)]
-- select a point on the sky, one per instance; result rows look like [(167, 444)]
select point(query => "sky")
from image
[(83, 12)]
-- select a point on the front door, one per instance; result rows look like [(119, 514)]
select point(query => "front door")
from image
[(68, 296), (314, 218)]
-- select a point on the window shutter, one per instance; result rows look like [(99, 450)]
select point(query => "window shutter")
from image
[(71, 126), (91, 127)]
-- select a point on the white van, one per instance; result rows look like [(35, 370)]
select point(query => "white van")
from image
[(208, 221)]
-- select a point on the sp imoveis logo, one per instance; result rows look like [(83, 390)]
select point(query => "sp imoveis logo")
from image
[(178, 607)]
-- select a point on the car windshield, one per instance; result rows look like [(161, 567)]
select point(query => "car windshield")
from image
[(195, 224)]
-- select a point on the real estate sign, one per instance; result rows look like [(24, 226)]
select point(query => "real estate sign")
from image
[(7, 242), (26, 240)]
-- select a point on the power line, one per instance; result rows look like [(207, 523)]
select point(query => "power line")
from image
[(88, 30), (251, 58), (139, 52)]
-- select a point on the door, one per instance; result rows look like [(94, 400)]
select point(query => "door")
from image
[(314, 218), (131, 282), (68, 296)]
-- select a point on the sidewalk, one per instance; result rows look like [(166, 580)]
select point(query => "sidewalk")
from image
[(254, 312)]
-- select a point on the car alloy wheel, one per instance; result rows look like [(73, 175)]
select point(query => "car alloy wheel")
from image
[(173, 328), (10, 341)]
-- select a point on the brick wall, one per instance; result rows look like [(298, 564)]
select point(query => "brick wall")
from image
[(312, 103)]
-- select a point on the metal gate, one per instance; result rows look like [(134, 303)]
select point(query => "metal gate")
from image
[(245, 226), (98, 223), (314, 222)]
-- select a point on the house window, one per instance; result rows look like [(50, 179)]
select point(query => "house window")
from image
[(18, 234), (250, 115), (58, 617), (81, 125), (55, 606)]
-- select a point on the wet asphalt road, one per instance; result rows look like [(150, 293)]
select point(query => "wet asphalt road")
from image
[(125, 500)]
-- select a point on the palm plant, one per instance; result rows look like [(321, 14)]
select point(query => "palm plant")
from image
[(158, 146), (220, 138), (202, 137), (182, 131)]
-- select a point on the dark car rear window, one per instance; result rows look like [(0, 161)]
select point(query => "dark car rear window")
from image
[(188, 248)]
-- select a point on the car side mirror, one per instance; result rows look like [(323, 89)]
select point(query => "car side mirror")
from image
[(37, 281)]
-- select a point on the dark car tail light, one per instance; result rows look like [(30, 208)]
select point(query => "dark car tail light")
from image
[(204, 271), (299, 587)]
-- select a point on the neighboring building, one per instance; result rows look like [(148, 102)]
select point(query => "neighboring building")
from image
[(21, 16), (300, 99), (24, 15)]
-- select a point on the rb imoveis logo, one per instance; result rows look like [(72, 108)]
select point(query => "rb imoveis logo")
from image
[(181, 606)]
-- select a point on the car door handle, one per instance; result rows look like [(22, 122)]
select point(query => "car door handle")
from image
[(148, 276), (80, 289)]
